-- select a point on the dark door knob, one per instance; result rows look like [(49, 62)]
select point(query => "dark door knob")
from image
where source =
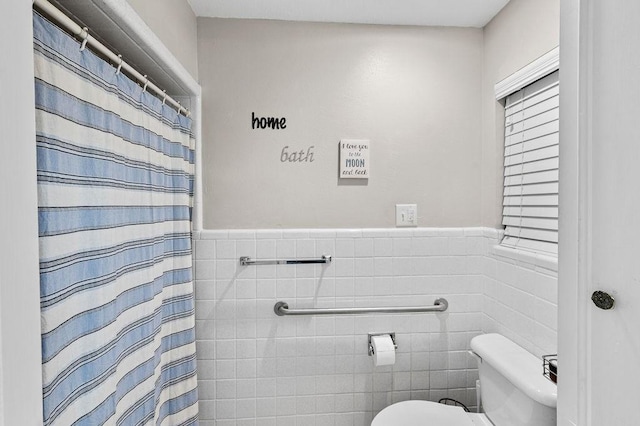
[(603, 300)]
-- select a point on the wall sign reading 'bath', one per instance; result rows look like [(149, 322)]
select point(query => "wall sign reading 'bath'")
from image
[(292, 156), (354, 159)]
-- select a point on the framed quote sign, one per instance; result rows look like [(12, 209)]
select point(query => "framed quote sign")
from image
[(354, 159)]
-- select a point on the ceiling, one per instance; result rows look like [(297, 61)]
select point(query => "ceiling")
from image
[(453, 13)]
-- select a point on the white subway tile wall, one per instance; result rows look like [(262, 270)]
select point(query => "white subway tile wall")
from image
[(521, 298), (258, 369)]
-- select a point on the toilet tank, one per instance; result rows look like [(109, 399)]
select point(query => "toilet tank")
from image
[(513, 390)]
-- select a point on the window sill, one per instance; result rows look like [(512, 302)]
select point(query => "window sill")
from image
[(530, 258)]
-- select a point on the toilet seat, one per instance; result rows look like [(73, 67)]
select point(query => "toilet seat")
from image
[(422, 413)]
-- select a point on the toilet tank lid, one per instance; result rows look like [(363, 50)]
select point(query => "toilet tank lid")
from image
[(517, 365)]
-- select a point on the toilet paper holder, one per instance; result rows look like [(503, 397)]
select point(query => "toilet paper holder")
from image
[(393, 339)]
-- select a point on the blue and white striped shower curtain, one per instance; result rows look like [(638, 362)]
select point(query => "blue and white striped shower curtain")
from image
[(115, 184)]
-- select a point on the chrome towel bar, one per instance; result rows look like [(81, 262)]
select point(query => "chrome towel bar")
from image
[(282, 309), (245, 260)]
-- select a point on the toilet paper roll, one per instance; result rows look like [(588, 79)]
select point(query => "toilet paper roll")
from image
[(384, 351)]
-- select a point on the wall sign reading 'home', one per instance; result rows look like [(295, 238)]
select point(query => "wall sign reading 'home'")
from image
[(354, 159), (274, 123)]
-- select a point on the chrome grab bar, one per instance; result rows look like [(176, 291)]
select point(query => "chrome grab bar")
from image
[(246, 260), (282, 309)]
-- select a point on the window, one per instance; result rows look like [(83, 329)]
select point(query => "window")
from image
[(530, 203)]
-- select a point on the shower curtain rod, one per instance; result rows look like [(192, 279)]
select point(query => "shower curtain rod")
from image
[(61, 19)]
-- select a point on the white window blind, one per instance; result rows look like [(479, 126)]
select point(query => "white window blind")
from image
[(530, 203)]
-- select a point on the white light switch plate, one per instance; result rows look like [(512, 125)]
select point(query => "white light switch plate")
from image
[(406, 215)]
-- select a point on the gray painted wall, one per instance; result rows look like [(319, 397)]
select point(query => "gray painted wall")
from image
[(174, 23), (522, 32), (419, 95), (415, 93)]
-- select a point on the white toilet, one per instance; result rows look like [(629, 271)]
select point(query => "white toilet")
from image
[(513, 390)]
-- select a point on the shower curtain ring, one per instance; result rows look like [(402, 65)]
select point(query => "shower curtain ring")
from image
[(119, 65), (84, 31), (146, 82), (164, 98)]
